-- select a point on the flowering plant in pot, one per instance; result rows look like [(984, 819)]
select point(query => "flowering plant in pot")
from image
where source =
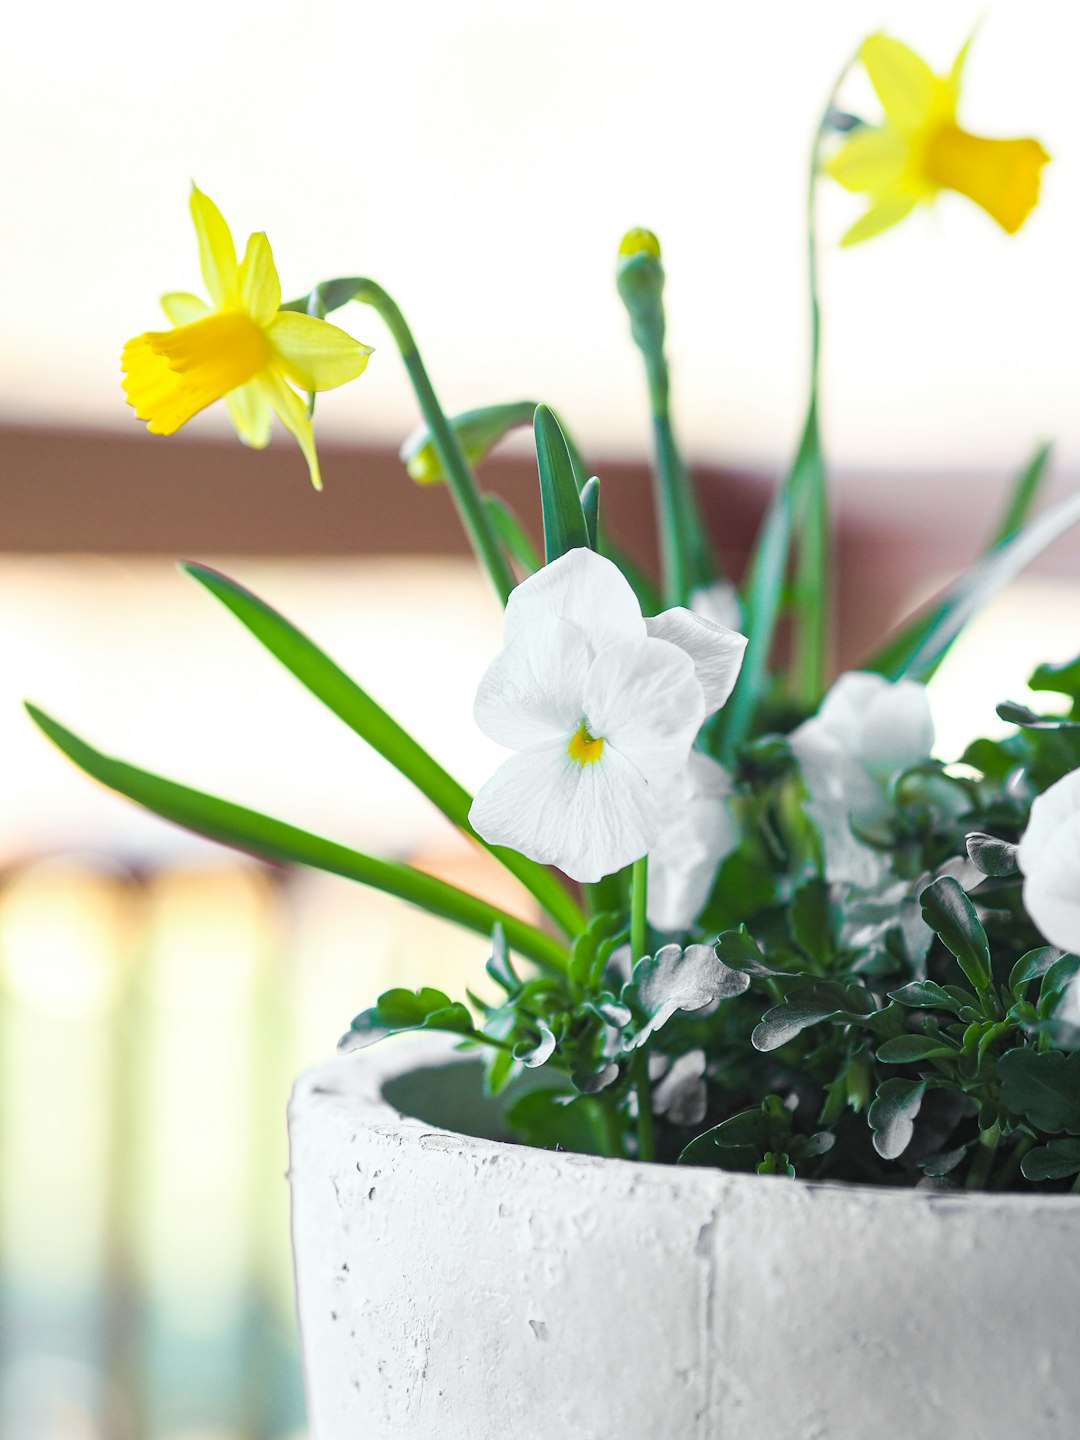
[(778, 937)]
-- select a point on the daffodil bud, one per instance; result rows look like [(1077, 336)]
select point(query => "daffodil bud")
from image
[(639, 276), (478, 432)]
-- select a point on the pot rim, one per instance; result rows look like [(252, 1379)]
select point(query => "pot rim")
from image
[(354, 1085)]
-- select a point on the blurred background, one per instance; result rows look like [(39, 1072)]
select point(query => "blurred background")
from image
[(481, 161)]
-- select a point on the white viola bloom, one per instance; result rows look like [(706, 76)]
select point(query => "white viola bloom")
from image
[(1049, 858), (602, 707), (867, 731), (699, 832), (718, 602)]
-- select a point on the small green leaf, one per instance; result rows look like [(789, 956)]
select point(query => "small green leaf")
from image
[(1057, 978), (1033, 965), (951, 915), (990, 855), (906, 1049), (776, 1164), (400, 1010), (564, 524), (533, 1053), (739, 951), (1056, 1161), (1027, 719), (806, 1005), (478, 432), (553, 1120), (499, 966), (1060, 679), (677, 979), (926, 995), (811, 922), (892, 1116), (1044, 1087)]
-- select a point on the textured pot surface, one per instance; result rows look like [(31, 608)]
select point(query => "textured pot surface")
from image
[(453, 1288)]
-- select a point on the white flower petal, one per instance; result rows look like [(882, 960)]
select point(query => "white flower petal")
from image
[(644, 698), (1049, 856), (897, 729), (589, 820), (533, 691), (1054, 808), (718, 602), (697, 836), (716, 651), (584, 589), (840, 791)]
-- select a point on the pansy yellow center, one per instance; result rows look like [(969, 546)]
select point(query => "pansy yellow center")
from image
[(172, 374), (586, 749)]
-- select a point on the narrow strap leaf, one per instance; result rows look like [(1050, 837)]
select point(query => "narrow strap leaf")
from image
[(564, 523), (262, 836), (590, 508), (512, 534), (917, 650), (350, 703), (1024, 493)]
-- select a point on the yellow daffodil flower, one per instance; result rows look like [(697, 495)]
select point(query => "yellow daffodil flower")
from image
[(920, 149), (241, 349)]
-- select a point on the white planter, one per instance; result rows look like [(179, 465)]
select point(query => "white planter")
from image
[(453, 1288)]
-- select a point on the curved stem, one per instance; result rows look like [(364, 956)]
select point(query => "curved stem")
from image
[(639, 944), (686, 562), (462, 483)]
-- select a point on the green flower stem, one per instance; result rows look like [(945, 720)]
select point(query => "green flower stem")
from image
[(983, 1161), (686, 562), (639, 946), (1075, 1186), (812, 597), (463, 487), (1007, 1173)]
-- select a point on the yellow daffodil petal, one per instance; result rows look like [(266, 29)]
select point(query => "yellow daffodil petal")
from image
[(314, 354), (956, 70), (292, 413), (182, 308), (251, 414), (260, 288), (217, 254), (906, 86), (869, 160), (1002, 176), (881, 215), (170, 375)]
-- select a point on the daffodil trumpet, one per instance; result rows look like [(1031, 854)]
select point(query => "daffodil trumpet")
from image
[(241, 347)]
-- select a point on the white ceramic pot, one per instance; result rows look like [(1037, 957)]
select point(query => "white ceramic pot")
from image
[(455, 1288)]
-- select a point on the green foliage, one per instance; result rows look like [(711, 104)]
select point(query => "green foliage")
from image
[(399, 1010), (565, 527)]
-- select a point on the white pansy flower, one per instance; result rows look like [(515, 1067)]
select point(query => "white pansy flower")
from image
[(1049, 858), (867, 731), (718, 602), (698, 834), (602, 707)]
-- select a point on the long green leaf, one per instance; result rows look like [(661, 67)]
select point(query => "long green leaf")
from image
[(564, 524), (765, 589), (512, 533), (369, 720), (1024, 494), (922, 643), (260, 835)]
